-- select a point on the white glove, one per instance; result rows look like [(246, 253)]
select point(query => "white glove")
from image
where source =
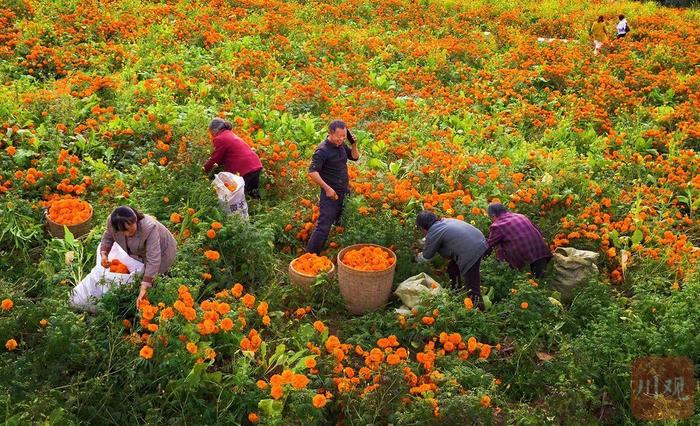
[(421, 259)]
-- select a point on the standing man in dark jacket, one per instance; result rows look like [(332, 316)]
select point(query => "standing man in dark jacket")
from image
[(517, 240), (329, 170)]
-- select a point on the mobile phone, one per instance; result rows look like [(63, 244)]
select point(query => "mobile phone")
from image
[(351, 138)]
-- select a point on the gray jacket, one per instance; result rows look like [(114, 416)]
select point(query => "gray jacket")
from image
[(153, 244), (457, 240)]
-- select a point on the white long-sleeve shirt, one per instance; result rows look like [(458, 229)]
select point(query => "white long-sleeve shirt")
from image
[(622, 27)]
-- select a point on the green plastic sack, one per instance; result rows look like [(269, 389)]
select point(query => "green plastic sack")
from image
[(411, 290), (573, 269)]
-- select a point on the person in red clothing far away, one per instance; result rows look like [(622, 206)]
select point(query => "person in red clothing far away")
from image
[(517, 240), (234, 155)]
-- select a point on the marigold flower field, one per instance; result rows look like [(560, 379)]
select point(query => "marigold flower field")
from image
[(454, 105)]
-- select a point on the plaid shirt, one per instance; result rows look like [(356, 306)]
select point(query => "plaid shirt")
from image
[(518, 240)]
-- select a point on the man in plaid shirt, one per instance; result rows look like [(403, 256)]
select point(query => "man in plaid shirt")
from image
[(517, 240)]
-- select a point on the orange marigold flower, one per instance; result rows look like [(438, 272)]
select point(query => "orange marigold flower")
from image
[(43, 323), (310, 363), (7, 304), (237, 290), (118, 267), (212, 255), (299, 381), (319, 326), (524, 305), (175, 218), (211, 234), (11, 345), (262, 309), (319, 401), (471, 344), (191, 348), (146, 352), (226, 324), (428, 320), (216, 226), (485, 352), (253, 418), (261, 384), (277, 392), (485, 401), (468, 303), (248, 300)]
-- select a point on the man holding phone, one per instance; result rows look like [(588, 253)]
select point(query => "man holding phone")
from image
[(329, 170)]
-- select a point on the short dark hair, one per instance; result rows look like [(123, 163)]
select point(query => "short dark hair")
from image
[(335, 125), (496, 209), (123, 216), (426, 219), (621, 17), (601, 19), (217, 125)]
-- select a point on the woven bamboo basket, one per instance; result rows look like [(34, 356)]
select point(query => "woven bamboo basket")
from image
[(364, 291), (303, 281), (78, 230)]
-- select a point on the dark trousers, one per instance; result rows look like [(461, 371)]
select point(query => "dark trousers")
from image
[(538, 267), (329, 213), (252, 182), (472, 278)]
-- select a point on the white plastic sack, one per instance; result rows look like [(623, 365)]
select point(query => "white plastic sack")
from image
[(231, 201), (99, 281), (411, 290)]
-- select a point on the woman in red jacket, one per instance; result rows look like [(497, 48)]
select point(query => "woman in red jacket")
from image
[(231, 152)]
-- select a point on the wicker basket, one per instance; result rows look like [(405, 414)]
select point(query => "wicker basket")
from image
[(364, 291), (303, 281), (78, 230)]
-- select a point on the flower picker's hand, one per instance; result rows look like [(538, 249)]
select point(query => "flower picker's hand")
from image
[(105, 261), (143, 292), (330, 193)]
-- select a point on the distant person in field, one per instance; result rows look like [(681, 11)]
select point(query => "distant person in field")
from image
[(231, 152), (599, 33), (622, 27), (329, 170), (460, 242), (517, 240)]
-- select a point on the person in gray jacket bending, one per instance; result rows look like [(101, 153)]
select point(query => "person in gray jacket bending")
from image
[(144, 239), (460, 242)]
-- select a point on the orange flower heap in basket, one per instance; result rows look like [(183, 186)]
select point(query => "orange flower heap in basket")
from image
[(231, 187), (69, 211), (311, 264), (368, 258), (117, 267)]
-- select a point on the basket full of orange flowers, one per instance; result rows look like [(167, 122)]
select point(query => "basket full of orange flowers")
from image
[(365, 276), (74, 213), (304, 270)]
